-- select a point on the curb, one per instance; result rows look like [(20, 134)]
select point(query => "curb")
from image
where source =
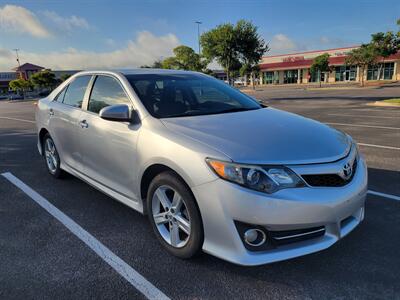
[(385, 104)]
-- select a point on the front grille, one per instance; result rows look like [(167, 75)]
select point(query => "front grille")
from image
[(298, 235), (329, 180)]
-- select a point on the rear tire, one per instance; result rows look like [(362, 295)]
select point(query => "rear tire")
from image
[(51, 157), (179, 227)]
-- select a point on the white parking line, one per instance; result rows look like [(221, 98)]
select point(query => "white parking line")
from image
[(359, 125), (16, 119), (121, 267), (393, 197), (362, 116), (384, 109), (378, 146)]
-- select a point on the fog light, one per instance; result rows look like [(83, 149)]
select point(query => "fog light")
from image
[(254, 237)]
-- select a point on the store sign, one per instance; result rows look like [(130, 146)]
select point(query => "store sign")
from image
[(292, 58)]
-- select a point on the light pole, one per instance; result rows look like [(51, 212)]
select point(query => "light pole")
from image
[(198, 33), (19, 65)]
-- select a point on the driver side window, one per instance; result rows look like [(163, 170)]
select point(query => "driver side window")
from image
[(106, 91)]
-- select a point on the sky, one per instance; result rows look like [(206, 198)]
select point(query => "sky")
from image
[(91, 34)]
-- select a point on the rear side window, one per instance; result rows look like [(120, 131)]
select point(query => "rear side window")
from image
[(76, 91), (60, 96), (106, 91)]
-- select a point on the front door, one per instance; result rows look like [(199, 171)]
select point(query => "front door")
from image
[(109, 147)]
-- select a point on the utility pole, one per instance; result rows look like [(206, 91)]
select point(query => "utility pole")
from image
[(19, 64), (198, 33), (19, 69)]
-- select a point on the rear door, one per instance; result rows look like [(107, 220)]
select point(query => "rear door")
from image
[(109, 147), (64, 114)]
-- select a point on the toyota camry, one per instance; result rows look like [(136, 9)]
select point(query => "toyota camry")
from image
[(213, 169)]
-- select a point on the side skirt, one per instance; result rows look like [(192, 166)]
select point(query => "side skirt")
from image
[(135, 204)]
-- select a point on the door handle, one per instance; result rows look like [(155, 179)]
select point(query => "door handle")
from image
[(51, 112), (84, 124)]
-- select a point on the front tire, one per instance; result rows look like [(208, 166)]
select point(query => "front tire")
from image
[(174, 215), (52, 157)]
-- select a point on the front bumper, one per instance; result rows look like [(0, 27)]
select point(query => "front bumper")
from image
[(222, 203)]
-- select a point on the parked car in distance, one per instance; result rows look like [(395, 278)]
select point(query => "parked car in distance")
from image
[(15, 97), (212, 168), (239, 82)]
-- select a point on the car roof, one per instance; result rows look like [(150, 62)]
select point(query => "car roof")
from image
[(139, 71), (153, 71)]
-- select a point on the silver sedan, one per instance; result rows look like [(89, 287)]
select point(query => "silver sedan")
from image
[(212, 168)]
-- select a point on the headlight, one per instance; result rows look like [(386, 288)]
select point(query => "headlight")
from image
[(267, 179), (358, 154)]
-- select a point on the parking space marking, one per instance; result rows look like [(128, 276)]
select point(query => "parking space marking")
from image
[(120, 266), (16, 119), (378, 146), (393, 197), (360, 125), (361, 116), (377, 109)]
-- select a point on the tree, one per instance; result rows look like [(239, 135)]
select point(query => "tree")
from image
[(169, 63), (20, 85), (156, 65), (235, 47), (319, 65), (251, 48), (384, 44), (44, 79), (221, 44), (64, 77), (185, 59), (363, 57)]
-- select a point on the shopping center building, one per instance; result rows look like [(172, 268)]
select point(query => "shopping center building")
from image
[(295, 68)]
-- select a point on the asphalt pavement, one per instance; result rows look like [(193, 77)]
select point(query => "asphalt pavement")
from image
[(41, 258)]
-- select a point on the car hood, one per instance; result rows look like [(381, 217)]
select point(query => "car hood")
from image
[(264, 136)]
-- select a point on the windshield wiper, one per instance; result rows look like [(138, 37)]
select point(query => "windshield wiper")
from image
[(195, 112), (235, 109)]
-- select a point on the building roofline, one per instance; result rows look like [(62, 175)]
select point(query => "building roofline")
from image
[(311, 51)]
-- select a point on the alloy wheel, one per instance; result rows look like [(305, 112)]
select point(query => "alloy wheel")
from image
[(171, 216), (51, 155)]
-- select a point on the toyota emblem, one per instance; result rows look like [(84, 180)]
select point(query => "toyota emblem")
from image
[(347, 170)]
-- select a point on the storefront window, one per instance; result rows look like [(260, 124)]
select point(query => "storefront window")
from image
[(315, 76), (345, 73), (373, 71), (268, 77), (290, 76), (388, 71)]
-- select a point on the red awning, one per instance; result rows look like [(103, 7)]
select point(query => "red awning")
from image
[(306, 63), (300, 64)]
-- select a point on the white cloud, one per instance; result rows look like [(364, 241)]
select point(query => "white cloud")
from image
[(110, 42), (66, 23), (18, 19), (145, 49), (324, 40), (281, 43)]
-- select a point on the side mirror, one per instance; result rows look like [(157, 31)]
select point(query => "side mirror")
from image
[(119, 113)]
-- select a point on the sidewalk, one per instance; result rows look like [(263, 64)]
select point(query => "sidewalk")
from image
[(324, 86)]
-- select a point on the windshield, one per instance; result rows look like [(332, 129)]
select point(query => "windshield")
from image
[(178, 95)]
